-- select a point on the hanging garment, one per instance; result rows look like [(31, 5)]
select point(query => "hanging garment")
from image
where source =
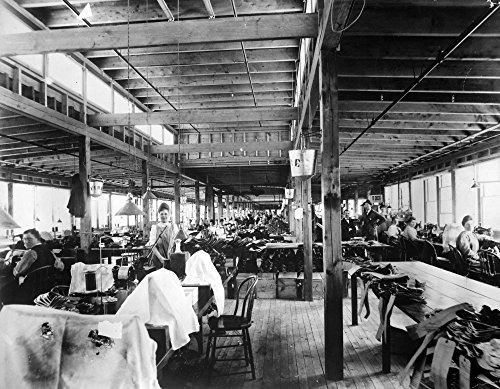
[(76, 203)]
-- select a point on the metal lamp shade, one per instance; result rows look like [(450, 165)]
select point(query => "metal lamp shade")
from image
[(129, 209), (149, 195), (6, 220)]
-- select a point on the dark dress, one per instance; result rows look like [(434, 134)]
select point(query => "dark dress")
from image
[(369, 224)]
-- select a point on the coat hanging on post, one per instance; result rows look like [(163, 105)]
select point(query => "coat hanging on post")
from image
[(76, 203)]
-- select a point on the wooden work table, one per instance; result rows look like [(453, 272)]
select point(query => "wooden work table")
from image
[(443, 289)]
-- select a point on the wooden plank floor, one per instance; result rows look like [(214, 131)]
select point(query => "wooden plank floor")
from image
[(288, 344)]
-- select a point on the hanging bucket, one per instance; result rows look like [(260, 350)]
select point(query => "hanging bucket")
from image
[(96, 185), (289, 193), (302, 163)]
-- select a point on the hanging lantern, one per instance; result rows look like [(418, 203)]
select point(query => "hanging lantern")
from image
[(289, 193), (96, 185), (302, 163)]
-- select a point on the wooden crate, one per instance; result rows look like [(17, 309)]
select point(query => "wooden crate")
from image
[(286, 286), (318, 291), (266, 286)]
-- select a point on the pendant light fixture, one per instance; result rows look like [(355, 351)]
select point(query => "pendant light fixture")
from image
[(149, 195), (475, 185), (129, 208), (6, 221)]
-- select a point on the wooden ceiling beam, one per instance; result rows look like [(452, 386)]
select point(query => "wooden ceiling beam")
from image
[(172, 93), (207, 70), (418, 21), (36, 111), (421, 108), (437, 85), (234, 161), (424, 97), (193, 116), (442, 117), (221, 147), (368, 67), (138, 86), (142, 11), (262, 103), (198, 47), (154, 34), (204, 58)]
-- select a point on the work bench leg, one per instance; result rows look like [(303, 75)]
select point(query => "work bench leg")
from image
[(354, 300), (386, 340)]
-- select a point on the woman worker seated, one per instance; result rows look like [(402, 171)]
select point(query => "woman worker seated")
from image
[(162, 233), (468, 243), (410, 231)]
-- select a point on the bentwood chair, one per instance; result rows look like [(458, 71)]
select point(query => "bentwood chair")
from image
[(235, 325), (491, 267)]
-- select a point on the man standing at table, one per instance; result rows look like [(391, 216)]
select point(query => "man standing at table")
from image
[(370, 220)]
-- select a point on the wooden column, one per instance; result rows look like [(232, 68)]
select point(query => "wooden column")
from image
[(453, 193), (85, 171), (356, 198), (197, 201), (10, 198), (298, 201), (307, 239), (145, 202), (110, 214), (330, 190), (227, 207), (220, 207), (209, 202), (177, 199)]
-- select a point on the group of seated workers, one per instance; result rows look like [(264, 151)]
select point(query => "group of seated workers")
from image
[(23, 259)]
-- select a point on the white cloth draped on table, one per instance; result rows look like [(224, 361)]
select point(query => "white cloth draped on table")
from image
[(159, 300), (68, 358), (104, 277), (200, 269)]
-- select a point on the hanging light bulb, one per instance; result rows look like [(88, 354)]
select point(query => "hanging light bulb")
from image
[(149, 195), (129, 208)]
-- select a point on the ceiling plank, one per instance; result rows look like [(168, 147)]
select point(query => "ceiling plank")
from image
[(185, 148), (154, 34), (193, 116)]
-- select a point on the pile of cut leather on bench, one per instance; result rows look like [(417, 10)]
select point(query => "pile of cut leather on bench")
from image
[(386, 283), (461, 346)]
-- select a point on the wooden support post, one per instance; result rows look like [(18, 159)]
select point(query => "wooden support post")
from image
[(85, 171), (110, 215), (177, 199), (298, 201), (453, 192), (10, 198), (209, 200), (197, 202), (307, 239), (220, 207), (356, 199), (145, 202), (332, 245), (228, 213)]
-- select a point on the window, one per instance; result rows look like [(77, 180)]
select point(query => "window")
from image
[(65, 71), (467, 201), (445, 199), (417, 199), (122, 104), (488, 177), (10, 24), (168, 138), (404, 195), (24, 211), (430, 186), (98, 92)]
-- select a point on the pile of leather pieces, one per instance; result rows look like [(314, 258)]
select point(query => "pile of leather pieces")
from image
[(461, 347), (386, 284)]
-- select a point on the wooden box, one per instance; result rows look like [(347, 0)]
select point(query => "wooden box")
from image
[(286, 286), (318, 291), (266, 286)]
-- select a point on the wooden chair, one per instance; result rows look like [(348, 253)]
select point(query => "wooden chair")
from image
[(491, 267), (235, 325), (410, 251)]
